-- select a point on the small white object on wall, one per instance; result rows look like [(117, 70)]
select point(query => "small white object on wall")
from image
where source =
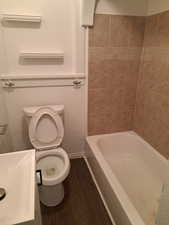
[(20, 18)]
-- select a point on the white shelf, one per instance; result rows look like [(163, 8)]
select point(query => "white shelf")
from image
[(42, 55), (21, 18)]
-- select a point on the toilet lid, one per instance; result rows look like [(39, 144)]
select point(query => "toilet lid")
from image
[(43, 136)]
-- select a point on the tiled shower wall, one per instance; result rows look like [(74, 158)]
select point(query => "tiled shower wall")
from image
[(129, 77), (151, 118), (115, 44)]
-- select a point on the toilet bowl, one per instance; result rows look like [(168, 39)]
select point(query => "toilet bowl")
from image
[(46, 133), (55, 167)]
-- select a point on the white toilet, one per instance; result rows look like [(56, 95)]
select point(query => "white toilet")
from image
[(46, 132)]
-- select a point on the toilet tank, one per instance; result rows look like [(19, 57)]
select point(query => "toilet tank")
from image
[(30, 111)]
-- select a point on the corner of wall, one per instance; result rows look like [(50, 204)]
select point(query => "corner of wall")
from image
[(156, 6)]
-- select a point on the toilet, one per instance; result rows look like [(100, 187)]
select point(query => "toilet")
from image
[(46, 132)]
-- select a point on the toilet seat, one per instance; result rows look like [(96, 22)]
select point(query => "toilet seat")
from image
[(54, 176), (36, 142)]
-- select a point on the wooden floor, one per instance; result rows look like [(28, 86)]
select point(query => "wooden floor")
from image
[(82, 204)]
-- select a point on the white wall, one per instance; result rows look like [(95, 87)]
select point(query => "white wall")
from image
[(4, 139), (157, 6), (72, 99), (2, 53), (3, 117), (122, 7), (5, 143), (59, 31)]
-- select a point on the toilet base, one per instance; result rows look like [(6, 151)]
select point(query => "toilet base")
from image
[(51, 195)]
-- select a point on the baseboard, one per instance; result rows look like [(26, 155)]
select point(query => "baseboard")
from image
[(98, 188), (76, 155)]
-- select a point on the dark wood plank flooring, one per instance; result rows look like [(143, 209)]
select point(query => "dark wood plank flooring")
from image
[(82, 204)]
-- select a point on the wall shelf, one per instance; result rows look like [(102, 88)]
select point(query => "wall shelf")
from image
[(20, 18), (42, 55)]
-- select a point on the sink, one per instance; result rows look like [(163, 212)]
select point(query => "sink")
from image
[(17, 177)]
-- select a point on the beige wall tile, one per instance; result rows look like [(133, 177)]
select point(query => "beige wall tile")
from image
[(113, 72), (157, 32), (151, 31), (99, 34), (154, 68), (152, 121), (151, 117), (127, 31), (116, 53)]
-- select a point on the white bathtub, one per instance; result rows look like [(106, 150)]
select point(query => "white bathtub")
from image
[(129, 174)]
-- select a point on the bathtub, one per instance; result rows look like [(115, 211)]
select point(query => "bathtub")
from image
[(129, 173)]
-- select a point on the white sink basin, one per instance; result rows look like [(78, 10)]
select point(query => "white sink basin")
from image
[(17, 177)]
